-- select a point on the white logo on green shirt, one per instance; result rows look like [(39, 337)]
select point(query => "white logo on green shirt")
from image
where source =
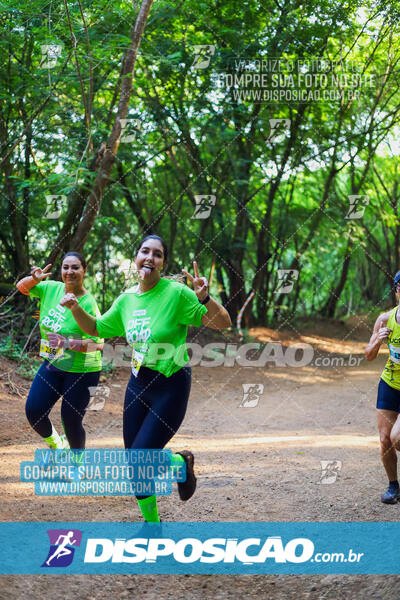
[(55, 318), (138, 330)]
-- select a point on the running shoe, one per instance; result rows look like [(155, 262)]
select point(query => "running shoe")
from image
[(391, 496), (61, 445), (64, 445), (187, 488)]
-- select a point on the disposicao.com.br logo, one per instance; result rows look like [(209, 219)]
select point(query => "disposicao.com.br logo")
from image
[(247, 551), (208, 548)]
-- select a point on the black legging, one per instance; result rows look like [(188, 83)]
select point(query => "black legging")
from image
[(155, 407), (49, 384)]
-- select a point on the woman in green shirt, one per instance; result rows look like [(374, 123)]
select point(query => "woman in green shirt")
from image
[(154, 316), (72, 359)]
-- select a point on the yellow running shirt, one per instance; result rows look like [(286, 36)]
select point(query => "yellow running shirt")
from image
[(391, 372)]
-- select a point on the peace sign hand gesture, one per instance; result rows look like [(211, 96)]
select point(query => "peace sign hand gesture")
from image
[(200, 284), (38, 274)]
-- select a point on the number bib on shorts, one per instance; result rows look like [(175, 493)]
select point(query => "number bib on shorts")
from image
[(136, 362), (394, 352), (46, 351)]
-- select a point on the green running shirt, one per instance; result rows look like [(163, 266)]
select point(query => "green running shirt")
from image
[(155, 324), (391, 371), (59, 319)]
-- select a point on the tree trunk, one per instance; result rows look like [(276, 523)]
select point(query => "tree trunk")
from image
[(330, 306), (106, 154)]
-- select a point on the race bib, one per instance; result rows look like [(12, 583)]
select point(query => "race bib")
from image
[(136, 362), (394, 354), (46, 351)]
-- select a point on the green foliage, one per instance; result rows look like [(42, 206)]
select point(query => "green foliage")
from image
[(27, 366), (280, 204)]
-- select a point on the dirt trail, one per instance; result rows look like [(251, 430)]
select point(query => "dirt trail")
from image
[(256, 464)]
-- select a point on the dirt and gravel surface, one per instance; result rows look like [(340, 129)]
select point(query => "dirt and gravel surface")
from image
[(259, 463)]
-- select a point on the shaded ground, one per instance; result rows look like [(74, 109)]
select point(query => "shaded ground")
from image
[(256, 464)]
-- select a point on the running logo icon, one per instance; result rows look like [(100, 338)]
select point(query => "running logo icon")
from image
[(357, 207), (56, 205), (130, 129), (62, 547), (203, 54), (98, 396), (286, 280), (50, 55), (204, 205), (330, 470), (278, 126), (251, 394)]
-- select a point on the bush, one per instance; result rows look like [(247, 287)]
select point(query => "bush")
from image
[(27, 365)]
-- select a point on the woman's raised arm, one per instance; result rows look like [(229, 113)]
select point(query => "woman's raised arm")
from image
[(85, 321), (27, 283), (217, 316)]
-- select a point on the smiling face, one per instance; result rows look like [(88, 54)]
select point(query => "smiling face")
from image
[(150, 259), (72, 272)]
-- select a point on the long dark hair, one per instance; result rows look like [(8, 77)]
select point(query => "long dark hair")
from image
[(77, 255)]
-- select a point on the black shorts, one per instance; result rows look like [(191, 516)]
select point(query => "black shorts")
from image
[(388, 397)]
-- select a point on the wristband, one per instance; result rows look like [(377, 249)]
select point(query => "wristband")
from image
[(23, 289), (206, 299), (66, 344)]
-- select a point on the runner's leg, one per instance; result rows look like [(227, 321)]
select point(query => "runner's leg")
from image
[(388, 406), (135, 409), (76, 397), (160, 404), (45, 390), (395, 434), (166, 410), (386, 420)]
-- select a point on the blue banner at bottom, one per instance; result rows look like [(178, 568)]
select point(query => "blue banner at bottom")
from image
[(207, 548)]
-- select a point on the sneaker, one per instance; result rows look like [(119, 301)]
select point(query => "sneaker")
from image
[(391, 496), (61, 445), (64, 443), (57, 442), (186, 488)]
